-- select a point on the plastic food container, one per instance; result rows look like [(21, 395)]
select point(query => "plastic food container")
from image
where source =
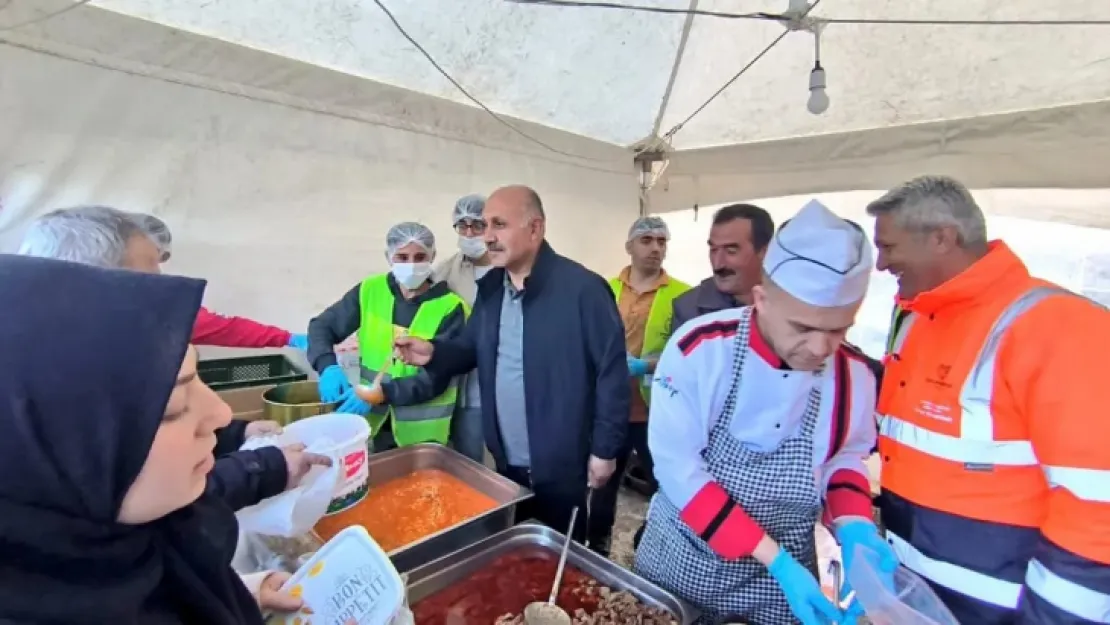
[(350, 578), (911, 603), (351, 434)]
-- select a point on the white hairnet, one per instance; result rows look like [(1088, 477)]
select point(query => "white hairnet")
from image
[(409, 232), (648, 225), (468, 207)]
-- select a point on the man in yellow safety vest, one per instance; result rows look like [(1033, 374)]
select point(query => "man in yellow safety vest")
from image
[(411, 405), (645, 296)]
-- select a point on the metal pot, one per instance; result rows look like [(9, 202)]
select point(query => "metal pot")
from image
[(286, 403)]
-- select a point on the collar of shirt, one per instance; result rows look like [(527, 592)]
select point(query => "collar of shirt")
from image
[(661, 281)]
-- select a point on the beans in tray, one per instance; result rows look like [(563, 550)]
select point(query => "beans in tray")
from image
[(613, 608), (498, 592)]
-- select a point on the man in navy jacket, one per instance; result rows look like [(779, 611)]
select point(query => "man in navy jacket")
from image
[(548, 342)]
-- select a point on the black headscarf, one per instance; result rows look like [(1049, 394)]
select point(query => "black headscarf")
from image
[(88, 359)]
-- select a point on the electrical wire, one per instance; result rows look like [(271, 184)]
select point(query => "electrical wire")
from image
[(470, 97), (42, 18), (830, 20), (677, 127)]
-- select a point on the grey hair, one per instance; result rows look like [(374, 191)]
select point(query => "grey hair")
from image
[(91, 235), (158, 231), (932, 202)]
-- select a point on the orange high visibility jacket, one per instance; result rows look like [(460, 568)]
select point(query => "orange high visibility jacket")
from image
[(995, 441)]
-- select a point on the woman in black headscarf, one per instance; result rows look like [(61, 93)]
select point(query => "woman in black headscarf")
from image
[(106, 438)]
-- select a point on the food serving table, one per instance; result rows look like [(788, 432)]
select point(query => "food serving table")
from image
[(434, 576)]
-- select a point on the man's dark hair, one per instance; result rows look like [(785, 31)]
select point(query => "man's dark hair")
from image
[(763, 227)]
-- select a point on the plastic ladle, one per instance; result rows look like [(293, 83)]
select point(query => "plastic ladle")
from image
[(541, 613)]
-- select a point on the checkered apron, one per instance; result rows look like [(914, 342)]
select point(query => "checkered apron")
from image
[(777, 489)]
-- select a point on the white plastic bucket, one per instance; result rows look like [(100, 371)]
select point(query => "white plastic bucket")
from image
[(351, 434)]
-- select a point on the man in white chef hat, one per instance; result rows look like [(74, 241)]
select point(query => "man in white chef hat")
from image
[(760, 419)]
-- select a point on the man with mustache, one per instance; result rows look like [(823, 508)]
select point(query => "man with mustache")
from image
[(737, 242), (547, 340), (760, 419), (645, 296)]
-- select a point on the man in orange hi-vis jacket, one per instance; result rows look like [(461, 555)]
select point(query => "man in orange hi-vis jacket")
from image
[(994, 432)]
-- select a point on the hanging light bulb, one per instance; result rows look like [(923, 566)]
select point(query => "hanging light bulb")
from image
[(818, 99)]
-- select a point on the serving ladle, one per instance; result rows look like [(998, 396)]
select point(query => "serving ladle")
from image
[(547, 613)]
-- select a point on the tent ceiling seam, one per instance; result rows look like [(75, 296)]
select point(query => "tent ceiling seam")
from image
[(256, 94)]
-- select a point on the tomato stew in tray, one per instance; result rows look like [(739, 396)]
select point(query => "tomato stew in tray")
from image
[(409, 508)]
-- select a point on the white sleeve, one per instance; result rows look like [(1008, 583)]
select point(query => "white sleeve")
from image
[(679, 421)]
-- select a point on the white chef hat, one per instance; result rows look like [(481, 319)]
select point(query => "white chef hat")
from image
[(819, 258)]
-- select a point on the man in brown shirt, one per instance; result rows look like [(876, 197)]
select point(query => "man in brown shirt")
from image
[(645, 297)]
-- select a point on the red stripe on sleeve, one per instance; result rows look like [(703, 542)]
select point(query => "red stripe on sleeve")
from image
[(849, 494), (721, 523)]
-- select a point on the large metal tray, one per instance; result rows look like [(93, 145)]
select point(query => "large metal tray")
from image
[(435, 576), (390, 465)]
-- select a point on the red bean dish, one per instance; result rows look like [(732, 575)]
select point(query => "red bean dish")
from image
[(497, 594)]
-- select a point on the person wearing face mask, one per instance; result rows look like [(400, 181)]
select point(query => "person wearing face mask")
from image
[(760, 419), (461, 271), (411, 405)]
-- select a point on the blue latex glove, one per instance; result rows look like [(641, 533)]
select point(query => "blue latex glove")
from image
[(351, 404), (298, 341), (862, 533), (333, 384), (637, 367), (803, 591)]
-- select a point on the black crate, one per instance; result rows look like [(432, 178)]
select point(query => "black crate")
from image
[(223, 374)]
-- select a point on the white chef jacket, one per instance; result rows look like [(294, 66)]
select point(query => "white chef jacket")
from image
[(689, 394)]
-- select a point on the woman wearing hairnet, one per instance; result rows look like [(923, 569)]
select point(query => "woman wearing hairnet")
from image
[(410, 406), (461, 271)]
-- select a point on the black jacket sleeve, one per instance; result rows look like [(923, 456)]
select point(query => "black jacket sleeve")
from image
[(426, 385), (230, 438), (605, 346), (332, 327), (457, 355), (244, 478)]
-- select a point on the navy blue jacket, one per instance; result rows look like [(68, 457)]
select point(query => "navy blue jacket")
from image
[(575, 367)]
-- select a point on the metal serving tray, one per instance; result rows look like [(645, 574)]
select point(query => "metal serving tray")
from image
[(396, 463), (451, 569)]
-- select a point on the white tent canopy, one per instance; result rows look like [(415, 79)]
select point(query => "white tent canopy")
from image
[(277, 137), (999, 106)]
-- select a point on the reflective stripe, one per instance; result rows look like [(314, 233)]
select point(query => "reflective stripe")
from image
[(975, 444), (423, 412), (1088, 484), (1070, 597), (899, 329), (977, 422), (964, 581), (1008, 453)]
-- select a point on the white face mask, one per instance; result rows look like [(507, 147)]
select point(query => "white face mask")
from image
[(472, 247), (411, 275)]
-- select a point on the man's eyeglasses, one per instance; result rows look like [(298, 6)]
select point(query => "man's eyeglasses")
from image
[(470, 227)]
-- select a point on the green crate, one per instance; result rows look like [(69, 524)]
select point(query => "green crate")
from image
[(223, 374)]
